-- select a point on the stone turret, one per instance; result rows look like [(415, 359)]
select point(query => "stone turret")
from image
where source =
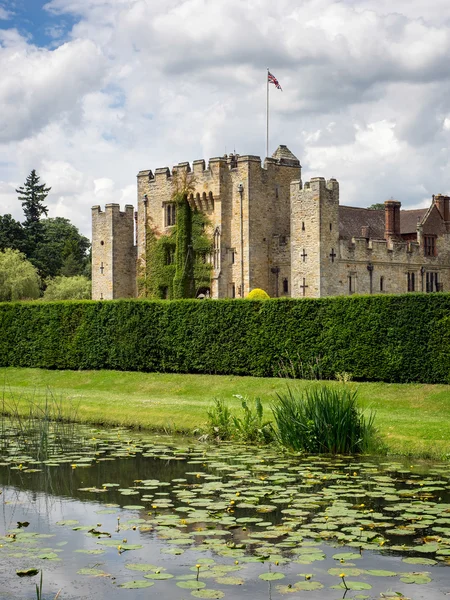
[(113, 253)]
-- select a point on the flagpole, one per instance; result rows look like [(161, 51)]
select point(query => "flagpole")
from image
[(267, 114)]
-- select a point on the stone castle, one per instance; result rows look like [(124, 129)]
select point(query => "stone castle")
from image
[(269, 230)]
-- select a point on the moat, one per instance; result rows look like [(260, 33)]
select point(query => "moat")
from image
[(113, 513)]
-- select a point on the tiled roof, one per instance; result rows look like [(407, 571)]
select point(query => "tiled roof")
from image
[(352, 220), (409, 219)]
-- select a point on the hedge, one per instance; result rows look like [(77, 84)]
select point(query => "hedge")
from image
[(380, 338)]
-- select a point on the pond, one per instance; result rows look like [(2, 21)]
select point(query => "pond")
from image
[(116, 515)]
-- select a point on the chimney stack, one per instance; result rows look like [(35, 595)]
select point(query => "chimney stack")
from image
[(392, 219), (443, 206)]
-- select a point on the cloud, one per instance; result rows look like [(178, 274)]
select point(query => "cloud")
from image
[(142, 83), (39, 85)]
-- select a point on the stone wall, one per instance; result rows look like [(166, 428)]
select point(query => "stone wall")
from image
[(113, 253)]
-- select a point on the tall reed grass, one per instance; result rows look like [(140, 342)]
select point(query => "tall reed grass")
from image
[(324, 419), (38, 425)]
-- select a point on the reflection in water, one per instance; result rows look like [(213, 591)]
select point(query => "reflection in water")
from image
[(109, 508)]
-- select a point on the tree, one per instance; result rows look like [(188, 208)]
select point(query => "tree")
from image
[(12, 234), (32, 195), (376, 206), (62, 249), (68, 288), (19, 280)]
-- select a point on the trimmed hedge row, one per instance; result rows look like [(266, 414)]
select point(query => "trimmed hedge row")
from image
[(388, 338)]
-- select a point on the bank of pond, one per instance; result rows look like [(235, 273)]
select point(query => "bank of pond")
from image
[(110, 513)]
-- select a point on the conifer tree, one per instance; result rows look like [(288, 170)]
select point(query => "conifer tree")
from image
[(33, 195)]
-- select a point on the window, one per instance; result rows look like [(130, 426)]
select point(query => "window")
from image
[(170, 256), (231, 254), (276, 192), (285, 285), (382, 284), (432, 282), (351, 283), (429, 242), (331, 226), (303, 225), (170, 214), (232, 291), (411, 282)]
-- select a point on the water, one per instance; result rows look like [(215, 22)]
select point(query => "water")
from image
[(112, 507)]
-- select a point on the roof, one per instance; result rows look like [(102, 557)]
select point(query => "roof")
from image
[(409, 219), (285, 156), (352, 220)]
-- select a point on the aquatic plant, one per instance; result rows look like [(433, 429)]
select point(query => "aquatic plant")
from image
[(323, 419), (43, 423), (220, 420), (251, 427)]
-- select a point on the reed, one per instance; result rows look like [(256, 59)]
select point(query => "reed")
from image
[(324, 419)]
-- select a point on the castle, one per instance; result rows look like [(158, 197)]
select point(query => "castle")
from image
[(269, 230)]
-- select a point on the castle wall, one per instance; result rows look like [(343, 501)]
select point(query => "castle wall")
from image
[(244, 253), (113, 253)]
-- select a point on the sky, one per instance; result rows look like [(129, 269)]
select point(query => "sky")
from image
[(93, 91)]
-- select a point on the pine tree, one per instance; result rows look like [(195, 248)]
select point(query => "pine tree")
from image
[(32, 195)]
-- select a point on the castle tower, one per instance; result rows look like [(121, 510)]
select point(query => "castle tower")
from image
[(113, 253), (314, 238), (246, 205)]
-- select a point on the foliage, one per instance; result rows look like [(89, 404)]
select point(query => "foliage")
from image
[(12, 234), (183, 281), (77, 287), (157, 276), (32, 195), (61, 250), (378, 338), (18, 278), (296, 368), (251, 427), (220, 420), (258, 294), (376, 206), (323, 419)]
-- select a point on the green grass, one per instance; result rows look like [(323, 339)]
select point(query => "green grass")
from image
[(413, 418)]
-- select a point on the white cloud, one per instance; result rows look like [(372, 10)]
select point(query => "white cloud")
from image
[(143, 83)]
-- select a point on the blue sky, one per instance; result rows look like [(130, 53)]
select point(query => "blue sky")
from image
[(41, 26), (92, 91)]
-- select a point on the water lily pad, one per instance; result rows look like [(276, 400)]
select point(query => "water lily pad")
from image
[(352, 585), (93, 572), (379, 573), (417, 560), (417, 578), (230, 580), (27, 572), (138, 584), (269, 576), (158, 576), (191, 584), (211, 594)]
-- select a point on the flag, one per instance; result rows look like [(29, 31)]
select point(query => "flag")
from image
[(274, 80)]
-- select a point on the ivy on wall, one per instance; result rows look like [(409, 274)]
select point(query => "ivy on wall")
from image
[(177, 264)]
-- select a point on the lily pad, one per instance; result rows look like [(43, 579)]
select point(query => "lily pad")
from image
[(138, 584)]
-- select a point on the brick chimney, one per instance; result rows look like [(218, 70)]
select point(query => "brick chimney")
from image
[(443, 206), (392, 219)]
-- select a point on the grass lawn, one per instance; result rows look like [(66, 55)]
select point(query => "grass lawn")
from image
[(412, 418)]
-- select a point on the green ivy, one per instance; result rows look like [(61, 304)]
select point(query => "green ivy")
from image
[(376, 338), (176, 264)]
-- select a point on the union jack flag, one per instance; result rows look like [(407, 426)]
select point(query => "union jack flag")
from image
[(274, 80)]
